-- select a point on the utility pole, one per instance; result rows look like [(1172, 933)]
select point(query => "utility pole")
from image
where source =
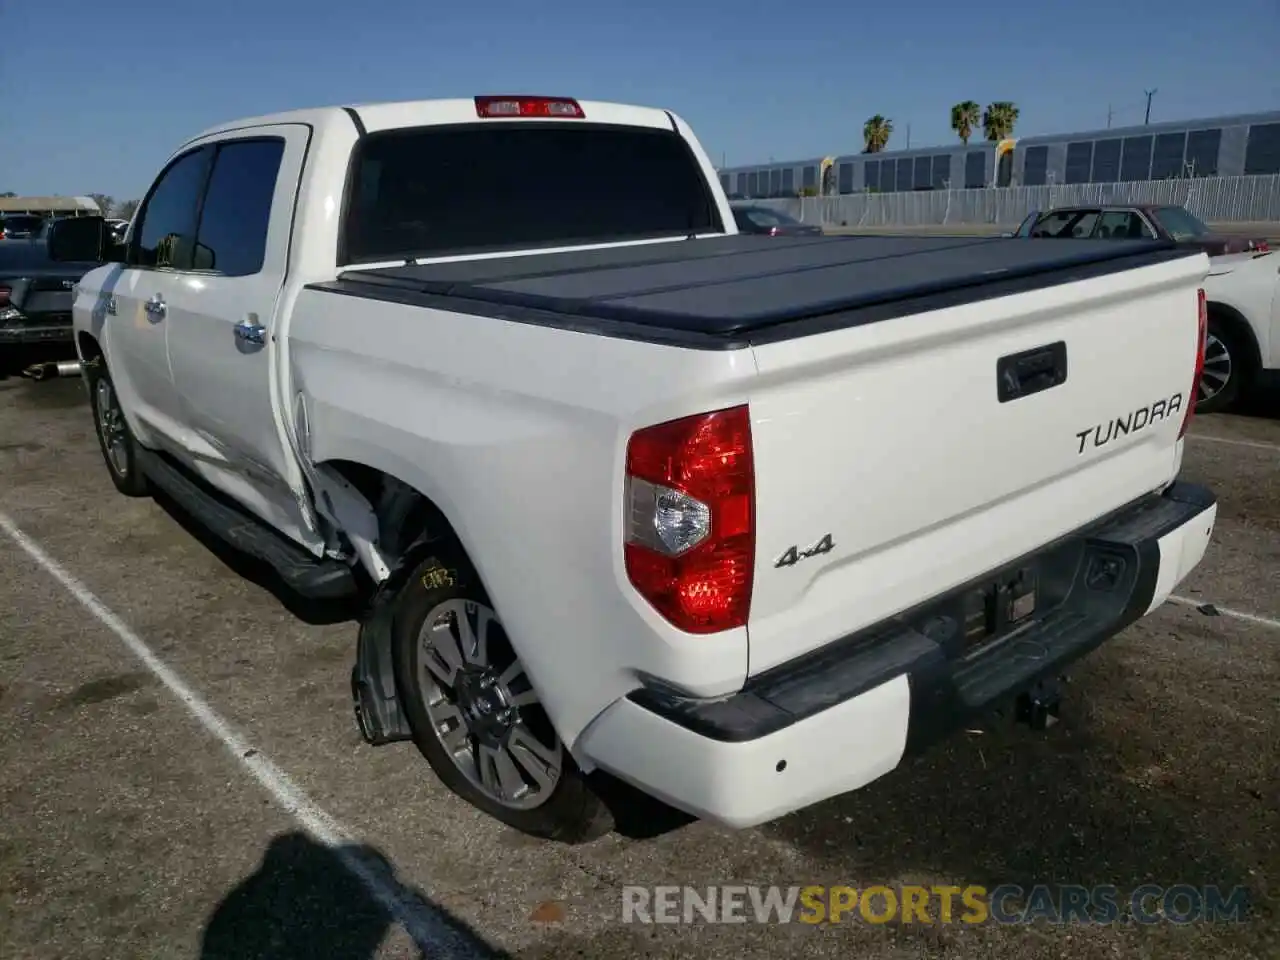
[(908, 136), (1110, 113), (1150, 93)]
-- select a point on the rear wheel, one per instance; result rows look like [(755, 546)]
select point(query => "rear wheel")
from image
[(116, 440), (474, 713)]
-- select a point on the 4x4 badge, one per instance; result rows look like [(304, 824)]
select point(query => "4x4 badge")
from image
[(794, 555)]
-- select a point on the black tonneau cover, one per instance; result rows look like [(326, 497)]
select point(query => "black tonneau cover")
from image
[(735, 290)]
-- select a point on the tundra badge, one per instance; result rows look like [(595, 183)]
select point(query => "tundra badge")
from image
[(1132, 422)]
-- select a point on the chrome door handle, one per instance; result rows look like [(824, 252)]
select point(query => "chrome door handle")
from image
[(250, 332), (156, 307)]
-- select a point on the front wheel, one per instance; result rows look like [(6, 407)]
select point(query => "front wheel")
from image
[(474, 714), (119, 447)]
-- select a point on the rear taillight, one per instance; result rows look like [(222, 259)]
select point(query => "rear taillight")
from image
[(1201, 337), (690, 526), (4, 296), (529, 107), (1262, 246)]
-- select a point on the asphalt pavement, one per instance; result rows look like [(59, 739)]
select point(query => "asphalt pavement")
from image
[(182, 776)]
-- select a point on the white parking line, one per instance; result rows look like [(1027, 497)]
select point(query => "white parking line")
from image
[(1251, 444), (1227, 611), (429, 928)]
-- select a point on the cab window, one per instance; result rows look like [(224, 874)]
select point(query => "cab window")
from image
[(166, 227)]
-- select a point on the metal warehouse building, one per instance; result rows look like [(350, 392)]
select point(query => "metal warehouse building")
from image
[(49, 206), (1242, 144)]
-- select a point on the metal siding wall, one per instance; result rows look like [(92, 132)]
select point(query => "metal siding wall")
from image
[(1235, 140), (1056, 170), (1215, 199)]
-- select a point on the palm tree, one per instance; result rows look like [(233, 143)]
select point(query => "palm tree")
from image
[(875, 133), (999, 119), (964, 117)]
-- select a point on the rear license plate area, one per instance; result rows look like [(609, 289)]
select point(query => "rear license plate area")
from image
[(999, 607)]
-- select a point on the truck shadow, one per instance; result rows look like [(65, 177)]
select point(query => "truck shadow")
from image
[(306, 901), (309, 611)]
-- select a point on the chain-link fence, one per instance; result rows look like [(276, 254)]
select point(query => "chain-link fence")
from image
[(1213, 199)]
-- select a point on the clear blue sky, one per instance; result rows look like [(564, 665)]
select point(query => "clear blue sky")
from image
[(103, 91)]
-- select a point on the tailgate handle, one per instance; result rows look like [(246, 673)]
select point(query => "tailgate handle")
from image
[(1032, 371)]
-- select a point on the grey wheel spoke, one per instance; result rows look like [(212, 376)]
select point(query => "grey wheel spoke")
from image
[(443, 655), (508, 775), (500, 773), (456, 738), (513, 679), (542, 764), (474, 638)]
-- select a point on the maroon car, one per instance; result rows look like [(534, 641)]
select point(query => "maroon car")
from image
[(1135, 223)]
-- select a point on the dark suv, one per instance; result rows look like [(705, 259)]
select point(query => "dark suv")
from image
[(20, 226)]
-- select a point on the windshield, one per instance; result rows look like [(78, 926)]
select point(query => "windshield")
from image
[(764, 217), (509, 186), (1180, 224)]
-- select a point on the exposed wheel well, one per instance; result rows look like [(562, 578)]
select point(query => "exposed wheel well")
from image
[(1232, 320), (404, 515), (407, 524), (90, 349)]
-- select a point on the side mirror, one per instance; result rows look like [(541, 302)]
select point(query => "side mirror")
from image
[(79, 240)]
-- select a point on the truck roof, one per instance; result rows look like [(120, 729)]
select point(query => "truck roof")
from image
[(394, 114), (737, 290)]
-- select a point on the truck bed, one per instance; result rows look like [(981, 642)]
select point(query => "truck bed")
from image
[(736, 291)]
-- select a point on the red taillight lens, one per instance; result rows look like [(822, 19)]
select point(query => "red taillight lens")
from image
[(1195, 381), (4, 296), (561, 107), (1262, 246), (690, 527)]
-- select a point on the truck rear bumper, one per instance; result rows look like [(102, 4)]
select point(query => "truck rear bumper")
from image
[(842, 716)]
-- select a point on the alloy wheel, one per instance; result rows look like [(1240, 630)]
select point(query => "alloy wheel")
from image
[(483, 710)]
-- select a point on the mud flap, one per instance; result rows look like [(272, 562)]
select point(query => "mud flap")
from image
[(374, 694), (373, 681)]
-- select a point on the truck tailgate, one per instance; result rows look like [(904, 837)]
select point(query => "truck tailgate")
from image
[(895, 461)]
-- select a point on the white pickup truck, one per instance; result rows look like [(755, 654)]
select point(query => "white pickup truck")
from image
[(739, 520)]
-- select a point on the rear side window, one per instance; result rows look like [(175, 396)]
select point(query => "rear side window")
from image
[(232, 237), (509, 186)]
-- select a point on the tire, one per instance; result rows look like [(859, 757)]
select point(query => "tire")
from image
[(444, 591), (116, 441), (1227, 369)]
